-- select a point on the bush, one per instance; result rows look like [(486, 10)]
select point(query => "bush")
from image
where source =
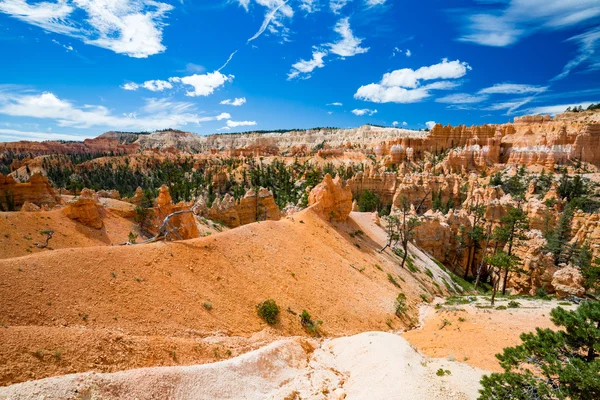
[(268, 310), (513, 304), (541, 293), (400, 305), (309, 325), (368, 201), (393, 280)]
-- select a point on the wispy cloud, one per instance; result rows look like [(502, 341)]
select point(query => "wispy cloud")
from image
[(201, 84), (304, 68), (130, 27), (513, 88), (509, 21), (155, 114)]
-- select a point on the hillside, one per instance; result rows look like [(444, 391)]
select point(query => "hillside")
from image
[(149, 299)]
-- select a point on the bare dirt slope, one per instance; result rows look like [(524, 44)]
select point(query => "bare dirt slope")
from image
[(114, 308), (372, 365), (21, 230)]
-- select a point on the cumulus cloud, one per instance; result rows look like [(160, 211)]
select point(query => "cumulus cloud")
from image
[(235, 102), (348, 45), (130, 27), (202, 84), (430, 124), (406, 85), (364, 111), (155, 114), (235, 124), (304, 68), (396, 123), (157, 85)]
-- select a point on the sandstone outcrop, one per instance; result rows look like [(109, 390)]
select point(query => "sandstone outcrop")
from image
[(184, 225), (85, 209), (253, 207), (37, 191), (538, 267), (437, 234), (30, 207), (568, 281), (332, 199)]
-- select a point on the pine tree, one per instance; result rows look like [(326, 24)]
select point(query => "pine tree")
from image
[(549, 364), (558, 239), (512, 227)]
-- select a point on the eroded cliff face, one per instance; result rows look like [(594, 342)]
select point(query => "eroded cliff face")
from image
[(86, 209), (332, 199), (183, 226), (253, 207), (37, 191)]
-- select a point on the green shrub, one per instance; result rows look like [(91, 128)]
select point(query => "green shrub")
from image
[(268, 310), (501, 308), (513, 304), (309, 325), (442, 372), (207, 305), (400, 305), (393, 280), (428, 273)]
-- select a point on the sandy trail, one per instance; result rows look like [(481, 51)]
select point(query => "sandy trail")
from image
[(371, 365)]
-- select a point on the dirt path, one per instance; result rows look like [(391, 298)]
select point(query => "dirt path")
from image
[(475, 335)]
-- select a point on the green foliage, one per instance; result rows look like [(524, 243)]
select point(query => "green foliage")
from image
[(442, 372), (513, 304), (558, 239), (549, 364), (268, 310), (368, 201), (393, 280), (400, 305), (541, 293), (309, 324)]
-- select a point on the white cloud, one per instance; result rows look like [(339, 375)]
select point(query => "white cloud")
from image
[(155, 114), (512, 88), (235, 124), (519, 18), (395, 123), (304, 68), (337, 5), (430, 124), (404, 123), (130, 27), (336, 104), (235, 102), (310, 6), (13, 135), (364, 111), (408, 53), (348, 45), (204, 84), (405, 85), (157, 85), (462, 98), (373, 3), (130, 86), (276, 11)]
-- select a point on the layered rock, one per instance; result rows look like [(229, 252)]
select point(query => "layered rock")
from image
[(85, 209), (438, 233), (37, 191), (332, 199)]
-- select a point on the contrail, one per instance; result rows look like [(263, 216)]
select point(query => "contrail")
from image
[(268, 18), (228, 60)]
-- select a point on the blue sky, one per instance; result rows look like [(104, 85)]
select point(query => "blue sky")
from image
[(77, 68)]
